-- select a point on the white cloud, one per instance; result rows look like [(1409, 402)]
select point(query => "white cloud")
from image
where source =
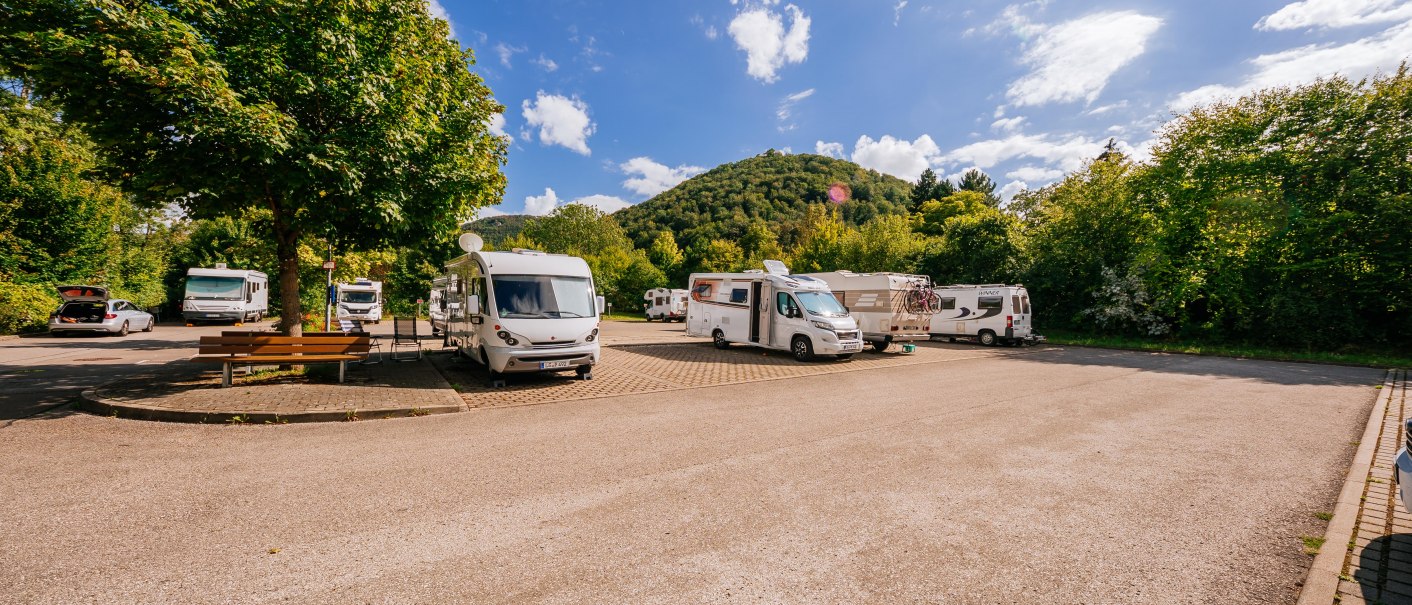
[(1008, 124), (1335, 13), (546, 63), (438, 11), (507, 52), (1010, 189), (786, 108), (712, 33), (654, 178), (896, 157), (833, 150), (768, 46), (1305, 64), (1102, 109), (1034, 173), (1074, 60), (606, 203), (540, 205), (497, 125), (897, 12), (1015, 20), (1068, 154), (561, 120)]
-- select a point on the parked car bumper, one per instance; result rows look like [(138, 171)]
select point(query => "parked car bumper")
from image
[(1404, 479), (541, 360), (110, 326)]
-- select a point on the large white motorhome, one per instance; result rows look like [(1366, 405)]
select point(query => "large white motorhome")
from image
[(991, 313), (772, 310), (360, 300), (221, 294), (522, 311), (889, 307), (665, 304), (436, 306)]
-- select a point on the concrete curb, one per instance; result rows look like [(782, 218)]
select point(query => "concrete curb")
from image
[(1321, 585)]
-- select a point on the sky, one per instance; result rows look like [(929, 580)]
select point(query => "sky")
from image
[(610, 103)]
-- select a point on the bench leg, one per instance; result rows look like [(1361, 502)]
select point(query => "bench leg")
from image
[(342, 366), (225, 375)]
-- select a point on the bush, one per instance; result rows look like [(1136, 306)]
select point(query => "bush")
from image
[(25, 307)]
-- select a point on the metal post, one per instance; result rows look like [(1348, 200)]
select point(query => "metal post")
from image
[(328, 303)]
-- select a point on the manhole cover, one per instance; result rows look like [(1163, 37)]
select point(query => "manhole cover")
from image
[(98, 359)]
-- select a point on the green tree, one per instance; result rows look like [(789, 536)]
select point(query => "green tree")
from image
[(716, 256), (979, 182), (929, 188), (886, 243), (977, 247), (358, 123), (934, 214), (826, 243), (664, 254), (577, 229)]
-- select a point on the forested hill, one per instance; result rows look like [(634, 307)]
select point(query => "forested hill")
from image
[(773, 187), (496, 229)]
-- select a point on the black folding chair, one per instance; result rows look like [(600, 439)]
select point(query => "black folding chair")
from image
[(404, 334)]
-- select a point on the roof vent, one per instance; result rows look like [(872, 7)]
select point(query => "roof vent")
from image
[(220, 265)]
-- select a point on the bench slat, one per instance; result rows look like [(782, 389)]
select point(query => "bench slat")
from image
[(264, 349), (283, 340), (273, 359)]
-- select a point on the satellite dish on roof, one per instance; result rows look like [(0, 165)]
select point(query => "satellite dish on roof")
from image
[(774, 267), (470, 242)]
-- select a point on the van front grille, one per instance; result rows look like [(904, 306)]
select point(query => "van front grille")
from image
[(848, 335), (551, 345)]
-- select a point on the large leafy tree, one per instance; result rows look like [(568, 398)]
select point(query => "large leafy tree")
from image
[(357, 122)]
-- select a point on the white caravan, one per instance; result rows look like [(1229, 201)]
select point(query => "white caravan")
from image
[(772, 310), (222, 294), (889, 307), (664, 304), (436, 306), (991, 313), (360, 300), (522, 311)]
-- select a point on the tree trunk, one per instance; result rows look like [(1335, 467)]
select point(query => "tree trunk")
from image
[(291, 317)]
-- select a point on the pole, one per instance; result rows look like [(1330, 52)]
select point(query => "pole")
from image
[(328, 299)]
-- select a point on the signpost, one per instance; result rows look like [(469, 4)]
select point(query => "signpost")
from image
[(328, 300)]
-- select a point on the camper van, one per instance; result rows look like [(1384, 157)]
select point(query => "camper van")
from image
[(889, 307), (772, 310), (664, 304), (992, 314), (360, 300), (522, 311), (436, 306), (221, 294)]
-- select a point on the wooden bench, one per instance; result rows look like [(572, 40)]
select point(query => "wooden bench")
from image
[(254, 349)]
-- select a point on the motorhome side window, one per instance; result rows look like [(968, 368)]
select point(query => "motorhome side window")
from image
[(738, 295), (990, 302), (948, 303), (1015, 303), (785, 304), (1026, 300)]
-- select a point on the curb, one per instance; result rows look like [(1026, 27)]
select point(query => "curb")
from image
[(1321, 585), (90, 401)]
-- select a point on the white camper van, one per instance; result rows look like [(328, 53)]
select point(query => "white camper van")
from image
[(889, 307), (222, 294), (664, 304), (360, 300), (991, 313), (522, 311), (436, 306), (773, 310)]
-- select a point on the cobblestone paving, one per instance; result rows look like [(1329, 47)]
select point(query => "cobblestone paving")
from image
[(1378, 567), (369, 389), (651, 368)]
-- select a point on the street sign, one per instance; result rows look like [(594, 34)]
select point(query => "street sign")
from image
[(419, 301), (328, 265)]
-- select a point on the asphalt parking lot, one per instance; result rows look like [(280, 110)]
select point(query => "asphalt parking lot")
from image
[(1053, 476)]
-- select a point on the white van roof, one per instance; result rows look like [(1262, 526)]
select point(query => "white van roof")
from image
[(241, 273), (528, 262)]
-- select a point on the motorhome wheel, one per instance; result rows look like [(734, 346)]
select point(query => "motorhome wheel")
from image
[(987, 338), (718, 338), (585, 372), (880, 345), (803, 350)]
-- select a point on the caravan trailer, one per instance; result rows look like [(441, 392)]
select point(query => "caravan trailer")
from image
[(771, 310), (991, 314), (889, 307), (522, 311), (664, 304), (360, 300), (436, 306), (222, 294)]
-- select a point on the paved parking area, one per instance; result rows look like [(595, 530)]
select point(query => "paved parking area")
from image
[(628, 370)]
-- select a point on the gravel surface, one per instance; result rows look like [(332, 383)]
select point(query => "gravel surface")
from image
[(1063, 476)]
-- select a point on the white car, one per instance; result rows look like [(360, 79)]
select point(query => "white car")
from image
[(88, 309), (1404, 468)]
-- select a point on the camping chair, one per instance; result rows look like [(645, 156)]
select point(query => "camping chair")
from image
[(404, 334), (353, 326)]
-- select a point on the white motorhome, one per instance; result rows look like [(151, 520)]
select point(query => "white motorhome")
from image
[(436, 305), (889, 307), (221, 294), (665, 304), (360, 300), (522, 311), (772, 310), (991, 313)]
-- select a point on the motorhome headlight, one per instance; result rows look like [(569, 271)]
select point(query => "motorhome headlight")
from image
[(505, 336), (822, 325), (592, 336)]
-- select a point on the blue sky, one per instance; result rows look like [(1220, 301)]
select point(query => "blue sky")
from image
[(609, 103)]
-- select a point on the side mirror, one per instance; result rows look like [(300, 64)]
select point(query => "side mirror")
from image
[(473, 304), (598, 304)]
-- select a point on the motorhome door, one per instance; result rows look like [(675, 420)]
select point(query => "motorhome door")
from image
[(760, 312), (755, 312)]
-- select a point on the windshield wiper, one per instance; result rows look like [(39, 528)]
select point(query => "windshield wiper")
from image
[(563, 314), (518, 314)]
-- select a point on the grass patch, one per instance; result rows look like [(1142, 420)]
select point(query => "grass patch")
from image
[(1322, 516), (624, 317), (1351, 356), (1311, 544)]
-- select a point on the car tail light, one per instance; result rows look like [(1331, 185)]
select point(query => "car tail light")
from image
[(1009, 321), (110, 316)]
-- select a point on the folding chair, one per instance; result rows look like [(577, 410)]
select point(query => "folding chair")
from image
[(404, 334), (353, 326)]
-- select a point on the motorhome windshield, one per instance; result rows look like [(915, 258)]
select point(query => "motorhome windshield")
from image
[(214, 288), (543, 296), (361, 298), (821, 304)]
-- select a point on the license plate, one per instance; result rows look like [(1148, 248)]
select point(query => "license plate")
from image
[(550, 365), (213, 315), (853, 347)]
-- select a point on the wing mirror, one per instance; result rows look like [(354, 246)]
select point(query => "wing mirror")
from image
[(473, 304), (598, 303)]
